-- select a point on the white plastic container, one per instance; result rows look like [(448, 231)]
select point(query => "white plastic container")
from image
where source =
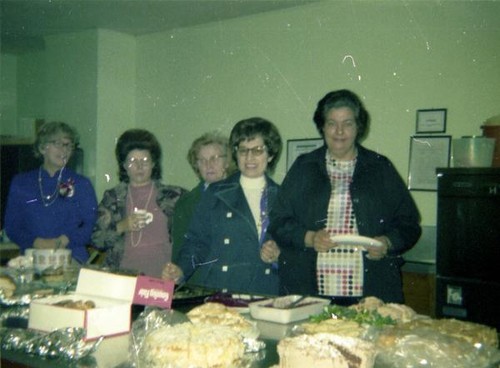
[(473, 152), (264, 309), (44, 258)]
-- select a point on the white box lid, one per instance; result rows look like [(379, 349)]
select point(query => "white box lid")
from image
[(107, 285)]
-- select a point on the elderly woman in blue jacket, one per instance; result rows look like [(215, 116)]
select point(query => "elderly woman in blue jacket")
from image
[(227, 241), (343, 189)]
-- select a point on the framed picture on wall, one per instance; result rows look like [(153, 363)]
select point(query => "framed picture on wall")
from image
[(296, 147), (431, 121), (426, 154)]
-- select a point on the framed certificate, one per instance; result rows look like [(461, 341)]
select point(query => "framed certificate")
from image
[(431, 121), (426, 154), (296, 147)]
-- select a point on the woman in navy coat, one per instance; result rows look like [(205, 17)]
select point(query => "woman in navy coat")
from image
[(343, 189), (227, 241)]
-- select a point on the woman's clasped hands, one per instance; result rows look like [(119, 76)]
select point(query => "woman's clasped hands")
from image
[(269, 252)]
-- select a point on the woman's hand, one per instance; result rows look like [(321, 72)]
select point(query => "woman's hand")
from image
[(172, 272), (270, 252), (52, 243), (134, 222), (376, 253), (319, 240)]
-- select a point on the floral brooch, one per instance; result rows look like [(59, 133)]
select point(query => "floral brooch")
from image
[(67, 189)]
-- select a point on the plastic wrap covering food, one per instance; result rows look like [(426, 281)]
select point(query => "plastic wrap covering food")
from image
[(426, 347), (18, 287), (160, 329), (149, 320), (66, 344)]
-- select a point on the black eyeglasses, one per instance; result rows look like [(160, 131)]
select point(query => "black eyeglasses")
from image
[(256, 151)]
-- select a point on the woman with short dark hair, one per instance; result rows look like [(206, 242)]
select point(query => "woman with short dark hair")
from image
[(135, 217), (227, 242), (343, 189)]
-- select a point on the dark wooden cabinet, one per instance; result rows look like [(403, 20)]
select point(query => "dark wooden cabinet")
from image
[(419, 291), (15, 156)]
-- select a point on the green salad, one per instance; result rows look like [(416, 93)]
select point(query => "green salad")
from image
[(364, 317)]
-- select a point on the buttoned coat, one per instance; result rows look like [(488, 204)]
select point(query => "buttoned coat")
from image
[(382, 205), (222, 243)]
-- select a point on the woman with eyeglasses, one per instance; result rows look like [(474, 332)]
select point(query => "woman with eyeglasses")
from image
[(135, 217), (227, 243), (52, 207), (335, 194), (210, 158)]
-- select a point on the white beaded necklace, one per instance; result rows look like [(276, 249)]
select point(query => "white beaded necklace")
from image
[(132, 242), (50, 199)]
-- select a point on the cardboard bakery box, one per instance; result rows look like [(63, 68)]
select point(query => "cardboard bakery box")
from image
[(112, 294)]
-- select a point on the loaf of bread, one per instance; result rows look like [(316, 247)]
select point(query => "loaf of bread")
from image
[(7, 285), (76, 304)]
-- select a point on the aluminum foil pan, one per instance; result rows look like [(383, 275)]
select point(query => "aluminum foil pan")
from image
[(67, 343)]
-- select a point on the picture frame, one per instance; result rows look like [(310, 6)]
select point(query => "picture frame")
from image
[(431, 121), (297, 147), (426, 154)]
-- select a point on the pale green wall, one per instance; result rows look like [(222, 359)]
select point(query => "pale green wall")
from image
[(31, 87), (8, 95), (71, 93), (398, 56), (115, 102)]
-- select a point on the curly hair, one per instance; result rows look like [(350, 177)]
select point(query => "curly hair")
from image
[(49, 130), (251, 128), (336, 100), (206, 139), (138, 139)]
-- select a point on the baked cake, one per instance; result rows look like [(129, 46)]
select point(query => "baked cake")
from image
[(187, 345), (220, 315), (324, 350)]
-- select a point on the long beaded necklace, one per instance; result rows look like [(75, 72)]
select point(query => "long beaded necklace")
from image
[(132, 242), (50, 199)]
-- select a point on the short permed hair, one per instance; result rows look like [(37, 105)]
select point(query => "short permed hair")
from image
[(205, 140), (49, 130), (339, 99), (253, 127), (139, 139)]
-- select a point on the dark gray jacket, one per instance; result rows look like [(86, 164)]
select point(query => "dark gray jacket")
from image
[(382, 205)]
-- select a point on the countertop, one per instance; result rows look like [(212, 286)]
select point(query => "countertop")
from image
[(113, 352)]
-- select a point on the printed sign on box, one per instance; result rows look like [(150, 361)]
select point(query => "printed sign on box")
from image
[(155, 292)]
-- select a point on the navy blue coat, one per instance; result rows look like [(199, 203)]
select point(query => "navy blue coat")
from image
[(382, 205), (222, 243)]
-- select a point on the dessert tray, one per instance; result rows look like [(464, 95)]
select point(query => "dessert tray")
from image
[(190, 295), (238, 302)]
